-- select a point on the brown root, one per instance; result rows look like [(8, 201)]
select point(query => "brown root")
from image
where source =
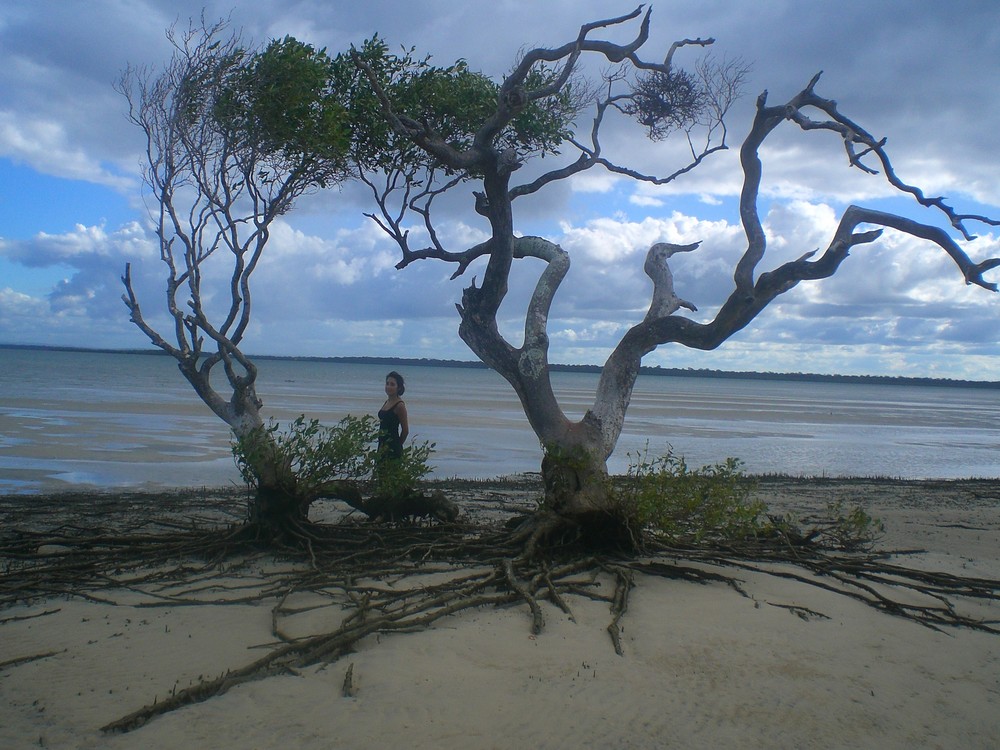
[(539, 563)]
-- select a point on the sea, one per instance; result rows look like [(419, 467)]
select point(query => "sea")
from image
[(76, 420)]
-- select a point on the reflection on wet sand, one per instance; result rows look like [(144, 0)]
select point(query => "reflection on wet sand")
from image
[(127, 420)]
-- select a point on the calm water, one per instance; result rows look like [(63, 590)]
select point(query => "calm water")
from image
[(72, 419)]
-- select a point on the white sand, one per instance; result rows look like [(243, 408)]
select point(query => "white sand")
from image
[(703, 668)]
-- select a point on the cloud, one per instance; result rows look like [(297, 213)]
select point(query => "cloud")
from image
[(63, 320), (327, 283), (48, 148), (647, 201), (83, 247), (17, 306), (602, 332), (798, 227)]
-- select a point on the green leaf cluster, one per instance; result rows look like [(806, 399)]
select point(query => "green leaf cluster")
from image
[(395, 477), (848, 528), (452, 102), (292, 106), (715, 503), (711, 503), (292, 103), (280, 104), (307, 456)]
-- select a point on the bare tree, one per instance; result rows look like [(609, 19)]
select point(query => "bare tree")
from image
[(230, 146), (433, 155)]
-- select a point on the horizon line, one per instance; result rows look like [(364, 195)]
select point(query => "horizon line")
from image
[(656, 370)]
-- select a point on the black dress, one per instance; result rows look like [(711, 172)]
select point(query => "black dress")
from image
[(389, 444)]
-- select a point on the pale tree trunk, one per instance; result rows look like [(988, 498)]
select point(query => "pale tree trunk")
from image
[(576, 453), (574, 467), (276, 501)]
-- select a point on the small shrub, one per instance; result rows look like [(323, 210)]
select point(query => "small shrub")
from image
[(308, 455), (849, 529), (396, 476), (692, 505)]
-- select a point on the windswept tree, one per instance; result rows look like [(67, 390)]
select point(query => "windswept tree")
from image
[(440, 128), (234, 135)]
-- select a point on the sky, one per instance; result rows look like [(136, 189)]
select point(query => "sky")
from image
[(73, 210)]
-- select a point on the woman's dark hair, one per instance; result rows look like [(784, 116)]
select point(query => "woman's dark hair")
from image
[(400, 385)]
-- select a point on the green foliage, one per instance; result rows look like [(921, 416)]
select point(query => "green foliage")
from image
[(307, 455), (292, 102), (692, 505), (848, 528), (372, 136), (281, 107), (299, 461), (545, 124), (395, 476), (714, 503), (454, 102)]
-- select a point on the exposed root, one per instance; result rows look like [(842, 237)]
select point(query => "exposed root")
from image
[(28, 659), (404, 578), (537, 620), (624, 583)]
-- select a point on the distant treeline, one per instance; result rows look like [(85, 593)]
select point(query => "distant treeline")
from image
[(688, 372), (667, 371)]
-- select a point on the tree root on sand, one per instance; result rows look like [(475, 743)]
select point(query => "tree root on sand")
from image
[(401, 578)]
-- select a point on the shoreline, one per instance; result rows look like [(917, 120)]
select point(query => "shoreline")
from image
[(521, 489), (151, 431)]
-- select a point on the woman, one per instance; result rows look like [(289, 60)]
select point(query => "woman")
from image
[(392, 421)]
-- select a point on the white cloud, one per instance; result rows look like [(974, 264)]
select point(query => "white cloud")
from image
[(800, 226), (583, 331), (645, 201), (595, 181), (15, 305), (84, 246), (48, 148), (327, 283), (343, 260)]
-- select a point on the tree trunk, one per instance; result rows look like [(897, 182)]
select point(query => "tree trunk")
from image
[(278, 501), (274, 506), (576, 485), (579, 494)]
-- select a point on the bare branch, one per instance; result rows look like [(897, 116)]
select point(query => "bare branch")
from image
[(853, 136), (417, 196), (668, 60), (220, 174), (665, 301), (135, 315)]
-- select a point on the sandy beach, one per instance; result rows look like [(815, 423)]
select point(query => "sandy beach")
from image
[(788, 666)]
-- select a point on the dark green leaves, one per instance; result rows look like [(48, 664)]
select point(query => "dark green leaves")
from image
[(450, 104), (280, 104)]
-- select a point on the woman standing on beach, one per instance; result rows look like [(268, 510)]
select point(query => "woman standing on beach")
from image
[(393, 425)]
